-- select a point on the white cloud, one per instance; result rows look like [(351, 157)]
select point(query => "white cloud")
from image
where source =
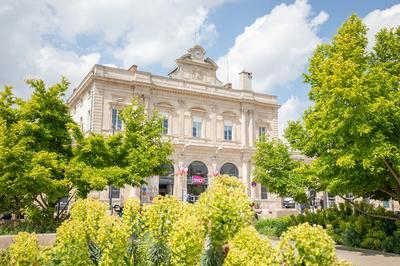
[(291, 110), (378, 19), (49, 38), (275, 47)]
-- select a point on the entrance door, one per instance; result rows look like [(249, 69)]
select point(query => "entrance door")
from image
[(197, 180), (166, 181)]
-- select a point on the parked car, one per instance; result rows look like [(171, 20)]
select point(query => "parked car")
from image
[(288, 202)]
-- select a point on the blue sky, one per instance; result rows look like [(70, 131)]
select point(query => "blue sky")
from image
[(273, 39)]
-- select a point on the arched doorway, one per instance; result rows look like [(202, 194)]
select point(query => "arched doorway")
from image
[(197, 180), (229, 169), (166, 181)]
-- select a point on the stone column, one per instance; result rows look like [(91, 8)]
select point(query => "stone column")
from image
[(181, 112), (214, 123), (244, 127), (251, 128)]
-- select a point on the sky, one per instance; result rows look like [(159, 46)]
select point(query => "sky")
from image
[(272, 39)]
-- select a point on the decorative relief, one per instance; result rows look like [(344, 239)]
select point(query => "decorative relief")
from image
[(197, 74)]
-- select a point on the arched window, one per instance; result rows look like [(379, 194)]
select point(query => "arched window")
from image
[(197, 168), (229, 169), (166, 180), (197, 180)]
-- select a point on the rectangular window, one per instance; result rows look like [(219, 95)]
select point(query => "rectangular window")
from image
[(228, 130), (264, 192), (196, 127), (164, 123), (115, 193), (385, 204), (261, 132), (331, 200), (116, 122)]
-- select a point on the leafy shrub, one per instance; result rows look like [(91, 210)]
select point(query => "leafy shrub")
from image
[(273, 227), (248, 249), (225, 209), (159, 217), (25, 250), (346, 225), (112, 239), (307, 245), (187, 239), (13, 228), (71, 247), (89, 212)]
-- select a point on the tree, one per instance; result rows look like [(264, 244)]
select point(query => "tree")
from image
[(35, 148), (275, 169), (353, 128), (127, 157)]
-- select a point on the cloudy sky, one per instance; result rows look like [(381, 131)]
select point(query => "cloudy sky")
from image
[(273, 39)]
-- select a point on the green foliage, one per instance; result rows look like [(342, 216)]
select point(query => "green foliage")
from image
[(171, 233), (13, 228), (225, 208), (112, 239), (346, 225), (187, 237), (352, 128), (275, 169), (273, 227), (160, 216), (71, 247), (25, 250), (307, 245), (247, 248), (125, 157)]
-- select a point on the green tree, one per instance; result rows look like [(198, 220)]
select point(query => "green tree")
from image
[(35, 147), (275, 169), (127, 157), (353, 128)]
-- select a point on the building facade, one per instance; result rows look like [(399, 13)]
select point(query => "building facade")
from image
[(213, 127)]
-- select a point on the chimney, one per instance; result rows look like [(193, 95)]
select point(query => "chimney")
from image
[(245, 81)]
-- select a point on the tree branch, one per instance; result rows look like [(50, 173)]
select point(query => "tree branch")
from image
[(369, 214), (389, 193), (392, 171), (40, 203), (43, 201), (66, 205)]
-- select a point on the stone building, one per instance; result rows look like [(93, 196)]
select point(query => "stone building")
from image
[(213, 127)]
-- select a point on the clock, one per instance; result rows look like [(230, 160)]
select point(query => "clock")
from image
[(197, 54)]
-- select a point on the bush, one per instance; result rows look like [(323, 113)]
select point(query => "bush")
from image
[(346, 225), (25, 250), (248, 249), (225, 209), (160, 216), (214, 231), (72, 245), (273, 227), (187, 239), (307, 245)]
